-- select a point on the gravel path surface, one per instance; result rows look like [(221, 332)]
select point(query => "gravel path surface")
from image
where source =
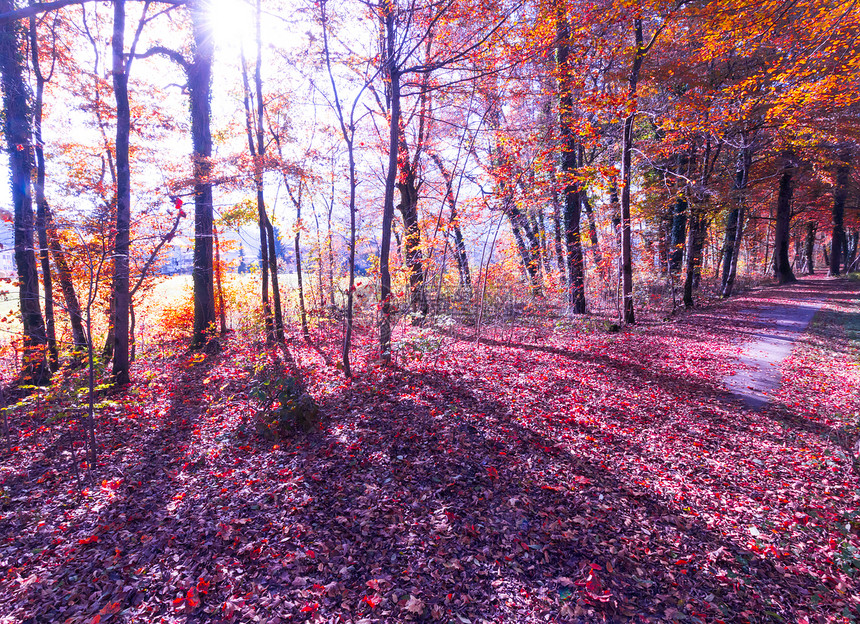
[(759, 374)]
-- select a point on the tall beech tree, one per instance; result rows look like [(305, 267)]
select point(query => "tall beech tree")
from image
[(572, 191), (781, 264), (840, 195), (735, 221), (198, 72), (49, 239), (17, 126), (41, 202), (254, 129), (120, 287)]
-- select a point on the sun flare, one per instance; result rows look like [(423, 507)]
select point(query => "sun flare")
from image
[(232, 21)]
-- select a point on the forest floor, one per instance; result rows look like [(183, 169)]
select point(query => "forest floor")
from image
[(550, 472)]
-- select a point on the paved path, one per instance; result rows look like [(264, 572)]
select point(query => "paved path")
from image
[(759, 372)]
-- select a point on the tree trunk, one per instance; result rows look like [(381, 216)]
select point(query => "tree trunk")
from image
[(628, 315), (592, 228), (329, 241), (572, 191), (729, 243), (678, 235), (35, 369), (736, 252), (701, 239), (413, 256), (132, 325), (526, 239), (557, 233), (353, 215), (199, 91), (297, 242), (222, 310), (261, 205), (262, 218), (695, 244), (41, 202), (809, 248), (64, 272), (120, 371), (734, 226), (454, 223), (392, 72), (107, 351), (851, 257), (781, 265), (276, 290), (840, 195), (348, 133)]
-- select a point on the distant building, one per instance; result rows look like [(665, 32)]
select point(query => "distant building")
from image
[(180, 258)]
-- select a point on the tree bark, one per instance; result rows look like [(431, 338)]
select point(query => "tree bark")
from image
[(734, 225), (392, 72), (840, 195), (695, 243), (851, 258), (262, 217), (589, 215), (120, 371), (592, 228), (809, 248), (678, 235), (736, 252), (408, 206), (35, 369), (557, 233), (572, 191), (628, 314), (41, 202), (297, 243), (454, 223), (261, 151), (199, 73), (781, 264)]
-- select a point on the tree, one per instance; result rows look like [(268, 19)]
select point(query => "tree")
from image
[(121, 67), (254, 115), (781, 265), (572, 191), (840, 194), (18, 144), (198, 71), (49, 239)]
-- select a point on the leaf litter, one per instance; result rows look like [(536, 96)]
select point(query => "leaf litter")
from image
[(586, 477)]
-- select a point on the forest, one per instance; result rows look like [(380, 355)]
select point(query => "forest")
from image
[(430, 311)]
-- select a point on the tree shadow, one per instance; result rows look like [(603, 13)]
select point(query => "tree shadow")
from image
[(470, 500), (125, 514)]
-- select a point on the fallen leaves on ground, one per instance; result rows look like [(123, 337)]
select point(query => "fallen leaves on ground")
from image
[(579, 477)]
